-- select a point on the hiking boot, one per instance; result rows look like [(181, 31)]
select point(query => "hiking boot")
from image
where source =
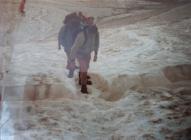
[(84, 89), (88, 77), (71, 74), (88, 81)]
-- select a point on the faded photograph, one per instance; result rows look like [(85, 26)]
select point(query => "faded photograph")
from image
[(95, 70)]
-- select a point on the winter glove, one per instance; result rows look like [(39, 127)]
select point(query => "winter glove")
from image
[(95, 58)]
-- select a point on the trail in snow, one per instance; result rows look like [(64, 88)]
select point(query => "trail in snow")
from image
[(137, 92)]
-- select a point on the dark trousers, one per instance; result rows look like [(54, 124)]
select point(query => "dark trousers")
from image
[(84, 61), (71, 65)]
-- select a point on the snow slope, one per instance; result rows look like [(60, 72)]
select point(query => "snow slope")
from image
[(141, 82)]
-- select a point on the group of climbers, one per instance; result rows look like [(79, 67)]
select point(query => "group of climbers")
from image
[(80, 37)]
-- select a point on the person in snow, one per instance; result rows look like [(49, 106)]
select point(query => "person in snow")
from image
[(86, 42), (72, 25), (22, 7)]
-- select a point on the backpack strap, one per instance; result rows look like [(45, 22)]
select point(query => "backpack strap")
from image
[(85, 36)]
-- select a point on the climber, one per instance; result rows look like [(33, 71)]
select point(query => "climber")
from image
[(22, 7), (86, 42), (72, 25)]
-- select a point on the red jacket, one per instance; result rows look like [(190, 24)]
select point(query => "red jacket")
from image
[(22, 6)]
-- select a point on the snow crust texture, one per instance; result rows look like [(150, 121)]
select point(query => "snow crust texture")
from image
[(141, 82)]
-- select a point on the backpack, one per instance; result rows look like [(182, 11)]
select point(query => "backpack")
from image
[(88, 31), (69, 32)]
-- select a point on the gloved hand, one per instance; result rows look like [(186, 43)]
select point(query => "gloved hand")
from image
[(95, 58)]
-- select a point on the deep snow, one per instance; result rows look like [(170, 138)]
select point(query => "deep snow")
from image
[(141, 82)]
